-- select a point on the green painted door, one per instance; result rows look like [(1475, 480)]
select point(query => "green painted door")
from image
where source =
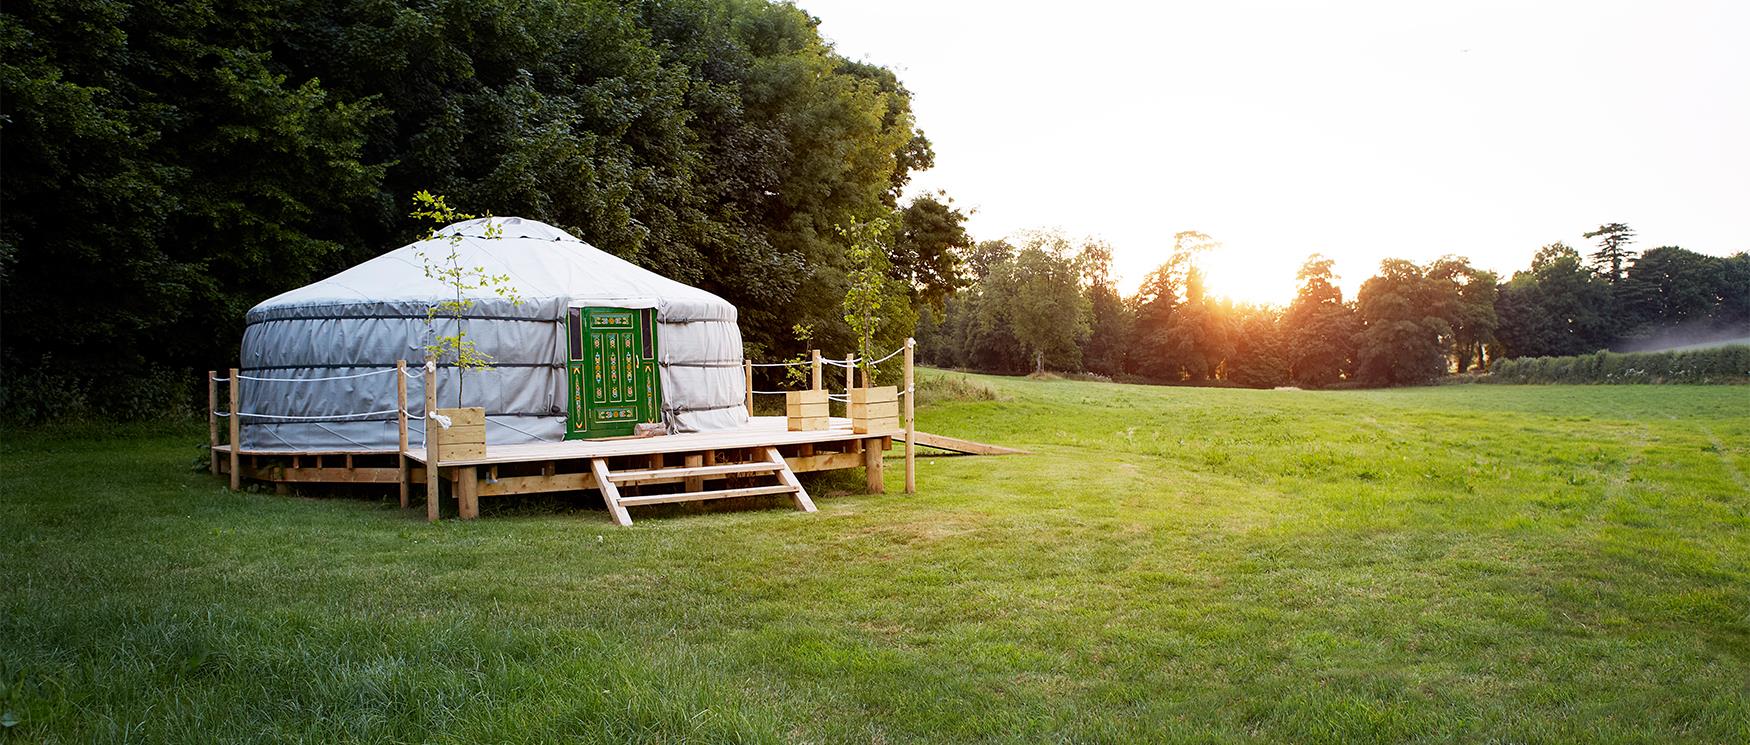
[(611, 375)]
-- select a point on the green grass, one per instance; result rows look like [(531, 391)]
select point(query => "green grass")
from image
[(1450, 564)]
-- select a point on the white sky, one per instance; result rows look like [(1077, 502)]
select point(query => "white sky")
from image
[(1357, 130)]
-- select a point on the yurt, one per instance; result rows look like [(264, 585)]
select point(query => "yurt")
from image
[(583, 345)]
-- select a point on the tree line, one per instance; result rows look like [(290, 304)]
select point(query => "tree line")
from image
[(1044, 302), (168, 164)]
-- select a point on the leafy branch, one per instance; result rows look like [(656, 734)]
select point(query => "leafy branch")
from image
[(870, 285), (456, 347)]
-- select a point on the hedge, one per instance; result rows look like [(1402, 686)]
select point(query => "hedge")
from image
[(1726, 364)]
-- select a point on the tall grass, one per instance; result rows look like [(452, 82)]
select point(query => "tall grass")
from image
[(1728, 364)]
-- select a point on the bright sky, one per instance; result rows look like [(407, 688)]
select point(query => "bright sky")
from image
[(1360, 130)]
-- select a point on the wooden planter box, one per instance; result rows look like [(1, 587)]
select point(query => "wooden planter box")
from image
[(806, 410), (466, 437), (874, 409)]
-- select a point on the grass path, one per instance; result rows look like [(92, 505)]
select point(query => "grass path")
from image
[(1454, 564)]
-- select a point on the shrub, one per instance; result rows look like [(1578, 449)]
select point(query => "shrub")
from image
[(1726, 364), (941, 388)]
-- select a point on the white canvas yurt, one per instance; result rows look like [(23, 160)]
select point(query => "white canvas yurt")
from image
[(595, 347)]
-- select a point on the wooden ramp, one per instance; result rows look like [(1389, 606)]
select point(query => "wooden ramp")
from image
[(957, 445)]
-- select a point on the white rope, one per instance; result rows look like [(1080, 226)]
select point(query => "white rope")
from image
[(325, 416), (769, 393), (221, 380), (413, 372), (779, 364), (312, 380), (890, 355), (221, 413), (841, 363), (443, 421)]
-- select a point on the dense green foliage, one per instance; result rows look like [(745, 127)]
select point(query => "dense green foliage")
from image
[(1410, 323), (1441, 564), (170, 164), (1722, 364)]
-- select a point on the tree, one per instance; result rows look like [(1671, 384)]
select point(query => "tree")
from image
[(1157, 302), (1613, 250), (1108, 344), (873, 302), (1319, 327), (456, 347), (1557, 308), (183, 161), (1260, 354), (1404, 313), (928, 246), (1670, 286), (1199, 336), (1046, 309), (160, 160), (1471, 302)]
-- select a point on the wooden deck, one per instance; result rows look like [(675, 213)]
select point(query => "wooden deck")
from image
[(761, 431), (760, 458)]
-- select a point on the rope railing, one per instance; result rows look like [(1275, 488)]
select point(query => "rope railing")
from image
[(833, 396), (315, 380)]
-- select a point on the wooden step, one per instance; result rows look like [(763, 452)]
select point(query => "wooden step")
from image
[(693, 496), (648, 475)]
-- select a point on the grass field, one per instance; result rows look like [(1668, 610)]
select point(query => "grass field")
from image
[(1451, 564)]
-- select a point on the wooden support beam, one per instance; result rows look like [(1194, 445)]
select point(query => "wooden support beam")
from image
[(213, 422), (815, 363), (508, 485), (610, 493), (692, 461), (800, 495), (295, 475), (911, 394), (431, 443), (872, 466), (824, 462), (236, 432), (401, 427), (468, 492)]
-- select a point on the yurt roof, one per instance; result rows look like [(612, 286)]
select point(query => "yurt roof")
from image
[(548, 268)]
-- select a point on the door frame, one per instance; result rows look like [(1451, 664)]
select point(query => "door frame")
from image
[(610, 345)]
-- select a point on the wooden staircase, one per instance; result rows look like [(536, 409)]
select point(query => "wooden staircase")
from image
[(693, 477)]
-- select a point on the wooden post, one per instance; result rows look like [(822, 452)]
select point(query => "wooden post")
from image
[(694, 483), (747, 375), (236, 437), (213, 421), (401, 424), (872, 466), (911, 430), (850, 381), (815, 353), (468, 492), (431, 442)]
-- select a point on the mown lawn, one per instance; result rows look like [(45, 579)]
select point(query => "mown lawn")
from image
[(1453, 564)]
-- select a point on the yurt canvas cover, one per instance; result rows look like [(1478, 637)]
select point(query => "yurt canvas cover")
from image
[(314, 360)]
